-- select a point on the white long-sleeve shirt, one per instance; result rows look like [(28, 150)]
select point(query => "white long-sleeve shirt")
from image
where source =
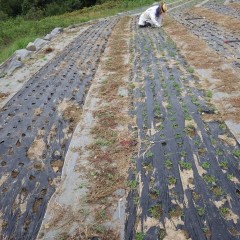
[(150, 16)]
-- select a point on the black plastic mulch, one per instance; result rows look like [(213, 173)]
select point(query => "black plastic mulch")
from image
[(212, 33), (26, 187), (176, 142)]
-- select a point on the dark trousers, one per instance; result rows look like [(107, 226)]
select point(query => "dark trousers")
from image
[(147, 24)]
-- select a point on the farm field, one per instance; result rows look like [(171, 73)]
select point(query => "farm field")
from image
[(124, 132)]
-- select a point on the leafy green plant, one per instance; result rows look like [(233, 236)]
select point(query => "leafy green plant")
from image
[(224, 211), (230, 176), (172, 180), (139, 236), (201, 211), (219, 152), (236, 153), (209, 94), (149, 154), (206, 165), (136, 200), (217, 191), (190, 70), (133, 184), (156, 211), (168, 164), (154, 193), (209, 179), (223, 164), (185, 165), (183, 153)]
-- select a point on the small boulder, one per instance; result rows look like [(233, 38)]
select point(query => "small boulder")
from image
[(31, 47), (48, 37), (56, 31), (14, 63), (39, 43), (22, 53)]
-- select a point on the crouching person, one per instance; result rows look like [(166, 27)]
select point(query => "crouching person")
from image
[(152, 17)]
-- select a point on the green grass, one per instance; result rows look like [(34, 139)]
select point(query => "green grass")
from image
[(236, 153), (139, 236), (17, 33)]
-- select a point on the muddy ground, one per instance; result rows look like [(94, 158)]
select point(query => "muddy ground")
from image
[(121, 132)]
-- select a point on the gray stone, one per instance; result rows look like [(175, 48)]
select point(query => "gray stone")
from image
[(39, 43), (22, 53), (13, 64), (31, 47), (56, 31), (48, 37)]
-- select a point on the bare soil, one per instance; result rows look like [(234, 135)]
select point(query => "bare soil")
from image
[(222, 20)]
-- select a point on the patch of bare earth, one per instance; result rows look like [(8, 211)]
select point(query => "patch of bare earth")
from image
[(234, 5), (228, 22), (214, 72), (3, 95), (89, 201)]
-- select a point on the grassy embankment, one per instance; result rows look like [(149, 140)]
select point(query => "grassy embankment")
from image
[(17, 33)]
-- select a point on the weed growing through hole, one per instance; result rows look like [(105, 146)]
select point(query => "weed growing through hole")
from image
[(190, 130), (196, 196), (206, 165), (139, 236), (197, 142), (131, 85), (236, 153), (217, 191), (156, 211), (175, 125), (185, 165), (183, 154), (172, 180), (219, 152), (224, 211), (230, 176), (168, 164), (209, 179), (190, 70), (157, 110), (133, 184), (136, 200), (162, 135), (201, 211), (223, 164), (154, 193), (172, 119), (149, 154), (179, 143), (195, 101), (178, 135), (208, 94), (223, 126), (169, 106), (201, 151), (176, 212), (213, 141)]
